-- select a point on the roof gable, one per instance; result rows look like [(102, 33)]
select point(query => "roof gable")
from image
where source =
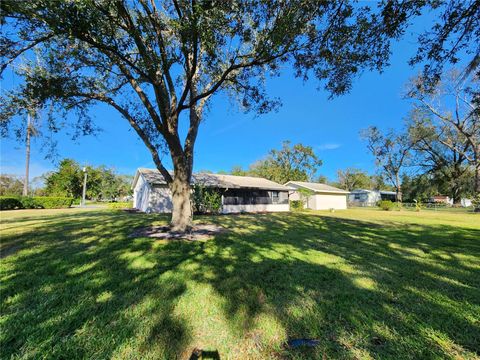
[(383, 192), (317, 187)]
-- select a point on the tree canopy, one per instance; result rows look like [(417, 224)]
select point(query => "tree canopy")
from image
[(102, 183), (10, 185), (392, 153), (351, 179), (445, 124), (289, 163)]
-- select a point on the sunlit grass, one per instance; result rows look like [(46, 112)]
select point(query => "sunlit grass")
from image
[(365, 283)]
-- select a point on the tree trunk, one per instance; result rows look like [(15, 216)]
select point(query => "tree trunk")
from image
[(477, 180), (477, 171), (27, 157), (455, 179), (477, 187), (398, 189), (399, 195), (181, 199), (456, 195)]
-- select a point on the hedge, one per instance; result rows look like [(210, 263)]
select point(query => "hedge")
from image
[(35, 202), (120, 205), (47, 202), (10, 203)]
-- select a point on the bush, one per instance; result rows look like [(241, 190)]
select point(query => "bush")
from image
[(10, 203), (296, 205), (50, 202), (206, 200), (34, 202), (476, 203), (386, 205), (29, 202), (418, 206), (120, 205)]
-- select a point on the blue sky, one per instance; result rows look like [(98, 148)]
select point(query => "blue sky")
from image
[(229, 137)]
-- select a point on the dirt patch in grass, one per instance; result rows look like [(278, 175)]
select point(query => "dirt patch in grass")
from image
[(197, 232)]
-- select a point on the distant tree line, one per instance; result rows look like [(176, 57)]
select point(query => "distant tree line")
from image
[(10, 185), (103, 183), (436, 153), (438, 150)]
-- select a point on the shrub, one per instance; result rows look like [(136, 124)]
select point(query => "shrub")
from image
[(29, 202), (476, 203), (50, 202), (120, 205), (206, 200), (386, 205), (10, 203), (296, 205), (34, 202), (418, 206)]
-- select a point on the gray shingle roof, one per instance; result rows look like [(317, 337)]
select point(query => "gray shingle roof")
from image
[(154, 177), (385, 192), (317, 187)]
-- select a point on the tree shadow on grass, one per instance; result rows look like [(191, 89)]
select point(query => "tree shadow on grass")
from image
[(376, 290), (77, 292), (82, 288)]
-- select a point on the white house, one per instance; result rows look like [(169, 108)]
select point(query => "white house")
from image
[(466, 202), (363, 197), (323, 196), (239, 193)]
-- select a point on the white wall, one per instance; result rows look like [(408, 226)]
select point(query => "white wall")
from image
[(141, 194), (160, 200), (369, 198), (308, 203), (329, 201), (295, 195), (466, 202), (227, 209), (151, 199), (323, 201)]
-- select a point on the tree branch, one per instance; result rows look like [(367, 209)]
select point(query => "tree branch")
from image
[(24, 49), (153, 150)]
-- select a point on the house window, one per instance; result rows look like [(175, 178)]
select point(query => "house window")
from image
[(275, 197)]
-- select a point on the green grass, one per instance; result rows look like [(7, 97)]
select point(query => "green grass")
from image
[(366, 283)]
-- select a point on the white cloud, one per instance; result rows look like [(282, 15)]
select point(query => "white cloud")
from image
[(227, 128), (328, 146)]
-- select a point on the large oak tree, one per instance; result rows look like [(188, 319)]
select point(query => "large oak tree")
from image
[(449, 130), (440, 151), (158, 63)]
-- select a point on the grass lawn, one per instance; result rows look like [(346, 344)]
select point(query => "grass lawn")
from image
[(365, 283)]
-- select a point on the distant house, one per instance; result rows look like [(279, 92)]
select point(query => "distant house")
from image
[(363, 197), (466, 202), (441, 199), (323, 196), (239, 193)]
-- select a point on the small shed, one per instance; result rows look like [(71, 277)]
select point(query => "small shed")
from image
[(323, 196), (364, 197)]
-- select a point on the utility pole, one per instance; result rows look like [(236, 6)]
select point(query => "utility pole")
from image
[(27, 160), (84, 185)]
